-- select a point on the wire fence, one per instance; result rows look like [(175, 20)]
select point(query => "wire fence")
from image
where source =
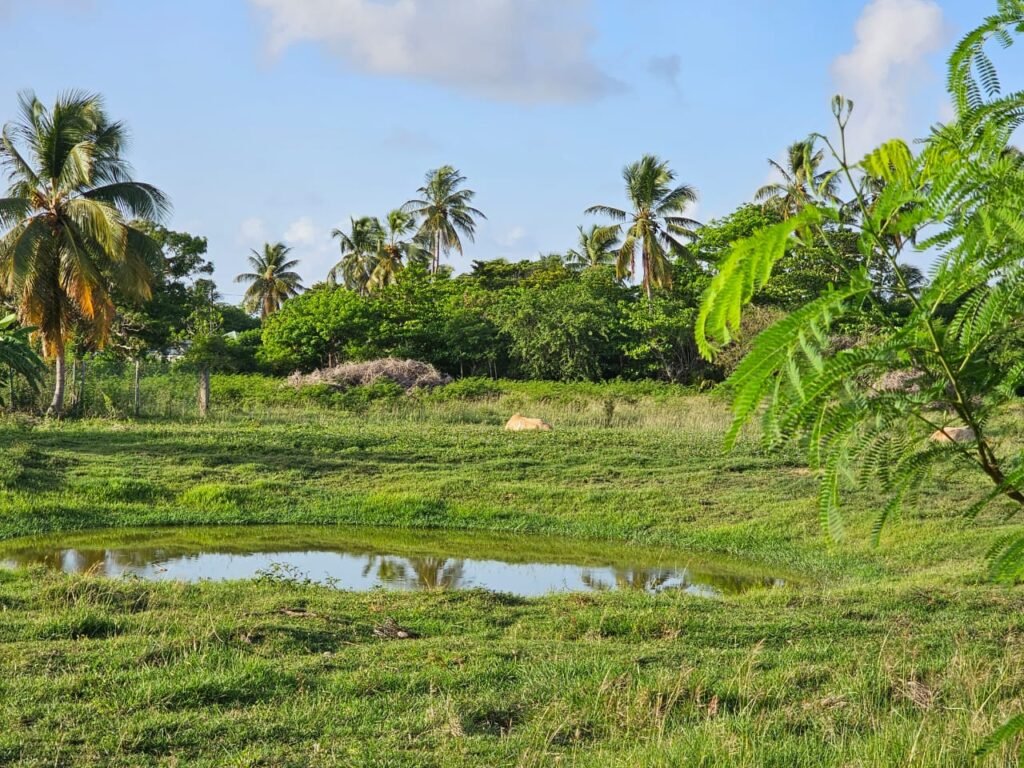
[(144, 389), (97, 388)]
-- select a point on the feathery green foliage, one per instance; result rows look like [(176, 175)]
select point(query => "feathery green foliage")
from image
[(870, 414), (746, 270), (973, 80)]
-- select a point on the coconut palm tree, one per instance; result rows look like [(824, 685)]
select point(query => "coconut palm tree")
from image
[(359, 249), (393, 251), (444, 211), (271, 281), (802, 180), (68, 240), (597, 248), (656, 226)]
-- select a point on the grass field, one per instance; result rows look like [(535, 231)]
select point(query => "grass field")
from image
[(903, 655)]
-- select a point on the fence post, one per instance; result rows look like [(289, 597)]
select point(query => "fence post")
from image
[(204, 391), (80, 404), (137, 389)]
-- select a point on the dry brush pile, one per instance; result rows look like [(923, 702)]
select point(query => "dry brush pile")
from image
[(408, 374)]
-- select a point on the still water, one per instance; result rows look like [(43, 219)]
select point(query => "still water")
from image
[(358, 558)]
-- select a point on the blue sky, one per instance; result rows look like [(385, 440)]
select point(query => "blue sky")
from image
[(279, 119)]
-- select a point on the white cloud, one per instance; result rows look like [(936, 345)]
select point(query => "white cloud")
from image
[(522, 51), (512, 238), (301, 232), (253, 231), (894, 40)]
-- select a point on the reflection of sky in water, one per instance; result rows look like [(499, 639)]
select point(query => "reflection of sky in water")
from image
[(368, 571)]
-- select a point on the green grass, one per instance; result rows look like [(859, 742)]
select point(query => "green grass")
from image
[(902, 655)]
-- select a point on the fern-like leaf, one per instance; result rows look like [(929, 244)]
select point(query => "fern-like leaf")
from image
[(1010, 729), (1006, 558), (740, 276), (773, 352)]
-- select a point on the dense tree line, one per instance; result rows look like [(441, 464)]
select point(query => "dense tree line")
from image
[(87, 265), (565, 317)]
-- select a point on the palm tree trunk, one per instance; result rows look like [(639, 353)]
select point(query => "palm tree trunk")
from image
[(437, 253), (647, 276), (57, 404)]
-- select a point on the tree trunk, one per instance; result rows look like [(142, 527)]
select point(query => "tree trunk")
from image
[(137, 389), (204, 391), (57, 404)]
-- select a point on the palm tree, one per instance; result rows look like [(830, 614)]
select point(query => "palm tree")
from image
[(359, 248), (802, 181), (597, 248), (393, 249), (271, 281), (656, 223), (444, 211), (68, 241)]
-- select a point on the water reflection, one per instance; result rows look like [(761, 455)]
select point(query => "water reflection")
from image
[(638, 579), (417, 572), (363, 559)]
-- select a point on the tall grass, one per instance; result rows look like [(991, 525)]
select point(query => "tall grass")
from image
[(900, 655), (167, 393)]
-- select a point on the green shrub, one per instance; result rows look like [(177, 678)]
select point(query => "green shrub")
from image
[(359, 399), (472, 388)]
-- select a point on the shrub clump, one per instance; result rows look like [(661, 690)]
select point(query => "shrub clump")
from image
[(407, 374)]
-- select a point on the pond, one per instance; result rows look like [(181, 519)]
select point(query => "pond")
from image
[(358, 558)]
